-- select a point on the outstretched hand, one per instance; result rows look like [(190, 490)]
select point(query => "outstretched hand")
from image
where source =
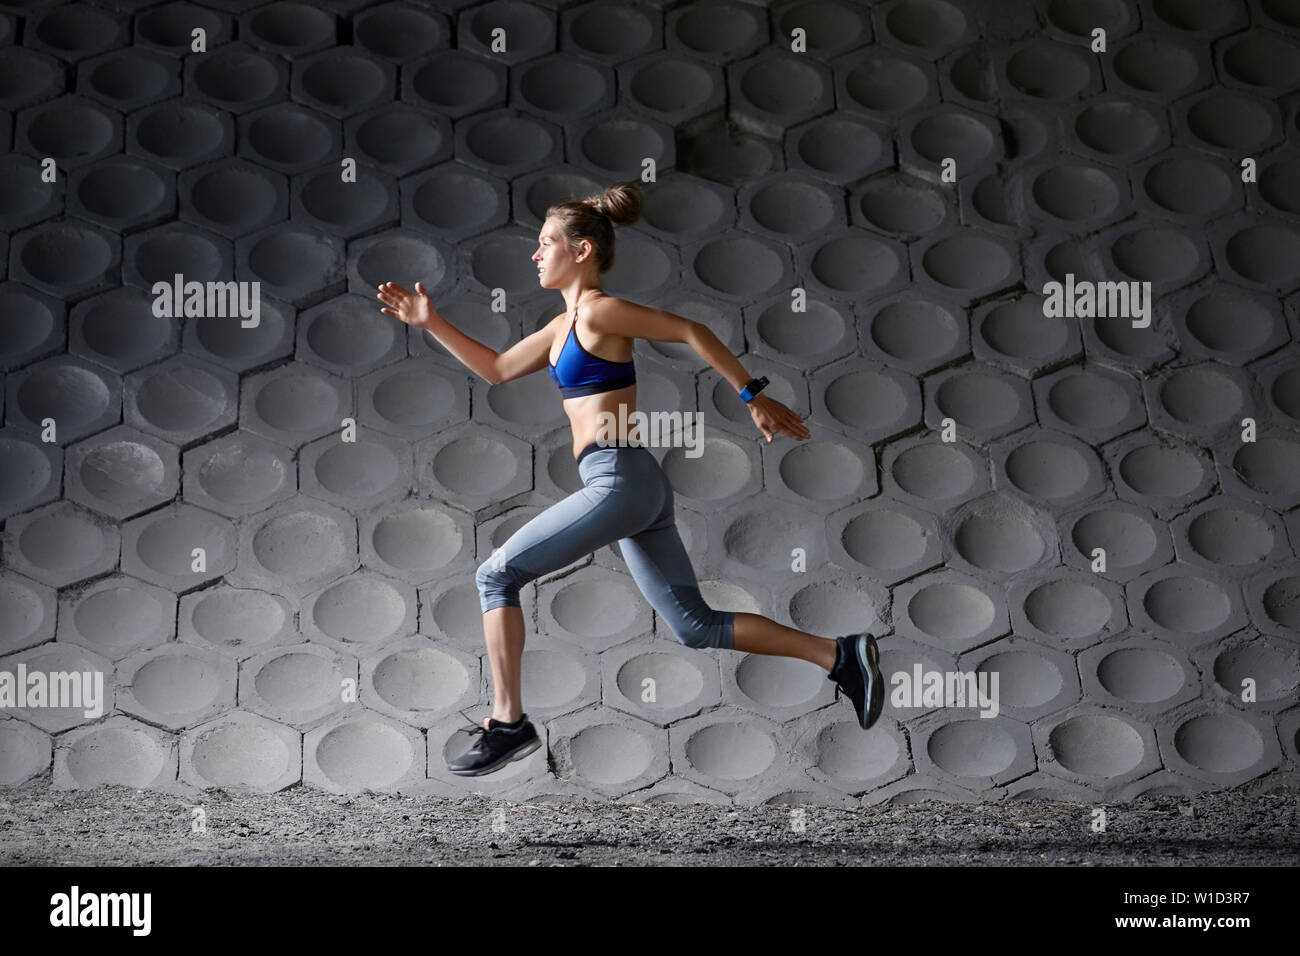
[(771, 416), (413, 308)]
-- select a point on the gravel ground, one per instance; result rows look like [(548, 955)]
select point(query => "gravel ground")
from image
[(40, 825)]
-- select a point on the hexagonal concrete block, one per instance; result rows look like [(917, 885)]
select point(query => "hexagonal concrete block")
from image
[(843, 757), (236, 622), (80, 682), (1047, 468), (949, 611), (419, 682), (658, 682), (1094, 404), (302, 685), (776, 89), (237, 77), (1102, 749), (176, 685), (1016, 333), (181, 399), (1219, 746), (983, 403), (239, 474), (295, 263), (122, 472), (998, 537), (593, 607), (412, 399), (912, 334), (1263, 470), (72, 130), (1185, 605), (180, 134), (1163, 476), (416, 541), (348, 207), (1267, 668), (473, 468), (610, 752), (295, 404), (888, 540), (363, 752), (839, 148), (117, 616), (1031, 680), (343, 81), (60, 544), (974, 751), (297, 546), (1230, 537), (24, 752), (289, 138), (27, 612), (118, 751), (233, 197), (730, 750), (241, 751), (180, 547), (933, 475), (358, 612), (364, 471), (1058, 607)]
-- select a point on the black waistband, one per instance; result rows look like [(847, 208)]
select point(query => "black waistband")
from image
[(596, 446)]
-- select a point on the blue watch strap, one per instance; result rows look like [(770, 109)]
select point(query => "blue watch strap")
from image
[(746, 394)]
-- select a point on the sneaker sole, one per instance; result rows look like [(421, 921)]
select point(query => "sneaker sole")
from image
[(519, 754), (875, 686)]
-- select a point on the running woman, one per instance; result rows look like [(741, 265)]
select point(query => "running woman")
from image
[(626, 497)]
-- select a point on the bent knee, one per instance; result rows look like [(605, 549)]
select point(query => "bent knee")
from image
[(698, 625)]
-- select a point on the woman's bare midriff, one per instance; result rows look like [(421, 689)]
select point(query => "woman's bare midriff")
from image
[(584, 417)]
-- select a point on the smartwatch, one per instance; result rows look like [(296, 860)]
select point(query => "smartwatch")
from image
[(753, 388)]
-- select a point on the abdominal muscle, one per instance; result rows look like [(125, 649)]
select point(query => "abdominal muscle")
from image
[(584, 417)]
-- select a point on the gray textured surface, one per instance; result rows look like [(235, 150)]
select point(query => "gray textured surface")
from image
[(329, 562)]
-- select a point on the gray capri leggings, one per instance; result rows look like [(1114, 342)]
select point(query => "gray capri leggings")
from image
[(626, 497)]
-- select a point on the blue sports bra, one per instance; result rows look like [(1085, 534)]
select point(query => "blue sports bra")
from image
[(578, 372)]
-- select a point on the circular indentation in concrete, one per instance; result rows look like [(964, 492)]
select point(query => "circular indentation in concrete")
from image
[(71, 395), (182, 398), (717, 28), (1262, 59), (1281, 11), (933, 472), (1266, 253), (26, 77), (726, 471), (855, 264), (971, 748), (1141, 675), (1020, 330), (1025, 679), (970, 73), (1281, 601), (611, 30), (978, 400), (791, 207), (293, 26), (1160, 471), (299, 545), (176, 684), (683, 208), (802, 334), (967, 262), (1219, 743), (952, 135), (237, 77), (929, 24), (887, 84), (992, 198), (1279, 184), (1094, 745), (236, 196), (782, 85), (1269, 465), (357, 471), (1155, 66), (1116, 128), (1155, 255), (1087, 400), (951, 611), (400, 136), (1285, 392), (193, 254), (455, 81), (1047, 469), (405, 255), (677, 682), (554, 678), (24, 472), (1201, 396), (593, 608), (179, 132), (849, 757), (1230, 121), (1189, 186), (1203, 16), (1223, 321), (1076, 193), (297, 682), (121, 190), (915, 330), (609, 754), (1081, 17), (822, 471), (475, 466), (295, 259), (397, 32), (836, 147), (1127, 539), (504, 140), (129, 76), (1067, 609), (569, 85), (359, 609), (69, 130), (243, 474), (1275, 672), (231, 617), (420, 678), (774, 682), (77, 30), (999, 542), (22, 195), (64, 254), (122, 756), (360, 755), (669, 85), (343, 80), (172, 24), (114, 620), (21, 756), (166, 544), (413, 397), (730, 750), (1187, 604), (61, 542), (241, 755), (1047, 70), (341, 336), (884, 539), (866, 399), (454, 199), (122, 472), (900, 205), (290, 135), (620, 144), (740, 267), (416, 540)]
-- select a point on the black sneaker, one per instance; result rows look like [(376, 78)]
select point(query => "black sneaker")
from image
[(857, 673), (498, 746)]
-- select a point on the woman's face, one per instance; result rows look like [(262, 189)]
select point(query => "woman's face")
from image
[(555, 262)]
